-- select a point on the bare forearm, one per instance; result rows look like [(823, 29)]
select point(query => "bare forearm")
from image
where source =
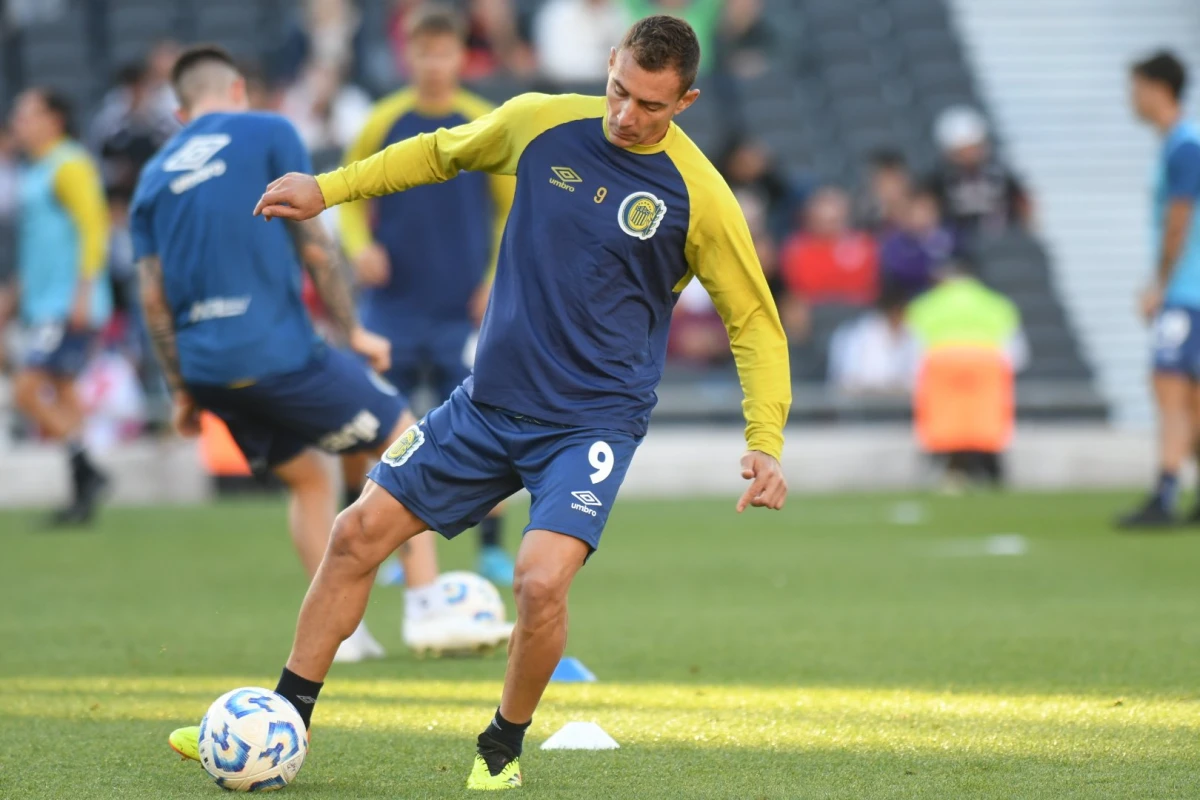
[(325, 265), (159, 322), (1174, 239)]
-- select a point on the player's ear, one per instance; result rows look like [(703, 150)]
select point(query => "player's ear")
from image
[(239, 94), (686, 101), (612, 58)]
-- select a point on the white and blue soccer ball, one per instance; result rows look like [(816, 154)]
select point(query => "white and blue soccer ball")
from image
[(471, 596), (252, 740)]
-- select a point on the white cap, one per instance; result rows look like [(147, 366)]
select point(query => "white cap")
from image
[(960, 126)]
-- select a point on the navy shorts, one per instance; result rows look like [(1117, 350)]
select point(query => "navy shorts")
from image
[(437, 359), (54, 348), (334, 403), (1177, 341), (453, 467)]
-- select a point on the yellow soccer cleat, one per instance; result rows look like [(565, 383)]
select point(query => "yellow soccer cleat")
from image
[(482, 779), (186, 742)]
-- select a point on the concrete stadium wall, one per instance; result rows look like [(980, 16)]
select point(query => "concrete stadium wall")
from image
[(674, 462)]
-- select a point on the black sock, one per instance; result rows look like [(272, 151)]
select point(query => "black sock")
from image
[(489, 532), (78, 455), (1167, 489), (350, 494), (300, 692), (509, 735)]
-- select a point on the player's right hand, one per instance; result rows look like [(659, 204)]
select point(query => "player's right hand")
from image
[(1151, 302), (372, 267), (376, 349), (186, 415), (294, 196)]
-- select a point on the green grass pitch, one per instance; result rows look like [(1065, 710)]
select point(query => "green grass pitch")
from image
[(850, 647)]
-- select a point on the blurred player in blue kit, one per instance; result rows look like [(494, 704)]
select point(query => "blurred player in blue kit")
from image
[(1171, 303), (424, 259), (222, 299), (615, 212)]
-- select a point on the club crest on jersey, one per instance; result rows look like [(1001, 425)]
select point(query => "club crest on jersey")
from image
[(403, 448), (640, 214)]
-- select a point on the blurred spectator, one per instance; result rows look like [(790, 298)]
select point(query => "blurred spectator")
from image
[(131, 125), (830, 262), (319, 31), (572, 39), (705, 17), (978, 192), (910, 255), (748, 166), (972, 344), (889, 186), (159, 63), (493, 41), (875, 354), (697, 336), (327, 112), (746, 39)]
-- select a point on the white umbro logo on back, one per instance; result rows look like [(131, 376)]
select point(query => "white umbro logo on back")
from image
[(587, 498)]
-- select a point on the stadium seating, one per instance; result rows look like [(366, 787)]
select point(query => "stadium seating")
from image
[(845, 77)]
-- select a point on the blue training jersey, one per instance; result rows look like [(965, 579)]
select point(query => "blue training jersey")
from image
[(440, 239), (233, 281), (1179, 179)]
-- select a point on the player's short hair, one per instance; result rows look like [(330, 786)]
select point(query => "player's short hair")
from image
[(58, 104), (1165, 68), (662, 42), (887, 158), (198, 71), (435, 19)]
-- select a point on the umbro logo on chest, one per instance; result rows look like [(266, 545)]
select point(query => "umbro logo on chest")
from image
[(639, 214)]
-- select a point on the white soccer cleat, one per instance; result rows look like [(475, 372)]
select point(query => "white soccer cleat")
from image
[(447, 634), (361, 646)]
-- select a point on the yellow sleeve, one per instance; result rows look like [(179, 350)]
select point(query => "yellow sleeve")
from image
[(493, 143), (720, 253), (354, 226), (502, 187), (77, 187)]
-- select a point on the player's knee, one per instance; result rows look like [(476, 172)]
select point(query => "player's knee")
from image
[(352, 542), (26, 388), (539, 590)]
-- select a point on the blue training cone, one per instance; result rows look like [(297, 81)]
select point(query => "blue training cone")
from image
[(572, 670)]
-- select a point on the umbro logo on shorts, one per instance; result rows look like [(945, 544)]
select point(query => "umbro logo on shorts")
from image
[(586, 502)]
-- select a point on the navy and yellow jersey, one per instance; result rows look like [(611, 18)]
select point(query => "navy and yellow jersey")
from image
[(441, 239), (232, 283), (599, 243)]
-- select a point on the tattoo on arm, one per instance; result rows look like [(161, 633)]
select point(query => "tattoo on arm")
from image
[(323, 259), (158, 319)]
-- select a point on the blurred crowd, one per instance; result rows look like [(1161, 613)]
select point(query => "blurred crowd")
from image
[(872, 249)]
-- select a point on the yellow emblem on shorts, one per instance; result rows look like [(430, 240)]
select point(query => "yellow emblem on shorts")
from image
[(403, 448), (640, 214)]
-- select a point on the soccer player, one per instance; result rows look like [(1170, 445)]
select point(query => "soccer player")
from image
[(1172, 300), (221, 293), (423, 258), (616, 210), (64, 294)]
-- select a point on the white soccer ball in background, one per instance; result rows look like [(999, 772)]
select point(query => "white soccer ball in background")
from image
[(471, 596), (252, 740)]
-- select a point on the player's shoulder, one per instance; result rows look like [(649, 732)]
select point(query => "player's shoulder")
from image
[(545, 111), (392, 106), (704, 181), (267, 121)]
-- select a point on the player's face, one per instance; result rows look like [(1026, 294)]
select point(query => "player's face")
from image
[(1145, 97), (33, 124), (641, 104), (435, 60)]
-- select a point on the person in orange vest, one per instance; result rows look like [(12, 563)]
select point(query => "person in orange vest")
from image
[(971, 346)]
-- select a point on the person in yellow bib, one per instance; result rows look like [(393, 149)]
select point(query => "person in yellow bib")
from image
[(64, 297)]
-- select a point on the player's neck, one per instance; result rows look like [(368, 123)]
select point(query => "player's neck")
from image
[(1168, 119), (202, 108), (435, 100)]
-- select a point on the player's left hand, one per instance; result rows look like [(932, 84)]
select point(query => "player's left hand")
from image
[(186, 415), (376, 349), (80, 313), (768, 488), (1151, 302), (294, 196)]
